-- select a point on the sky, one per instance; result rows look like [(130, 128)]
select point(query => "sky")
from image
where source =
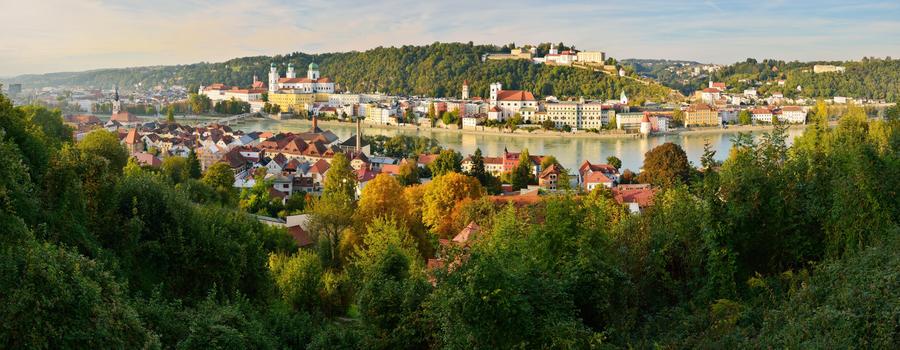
[(41, 36)]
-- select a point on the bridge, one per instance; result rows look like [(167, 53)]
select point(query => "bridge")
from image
[(229, 120)]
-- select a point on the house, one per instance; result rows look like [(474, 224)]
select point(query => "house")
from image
[(635, 197), (593, 175), (710, 95), (147, 159), (133, 142), (549, 178)]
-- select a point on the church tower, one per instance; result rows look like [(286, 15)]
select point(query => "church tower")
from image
[(273, 78), (495, 90), (623, 99), (313, 72), (465, 90), (290, 71), (116, 104)]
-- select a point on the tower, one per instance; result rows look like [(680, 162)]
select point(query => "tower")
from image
[(623, 99), (116, 104), (290, 71), (358, 136), (273, 78), (495, 90), (553, 50), (645, 124), (465, 90), (313, 71)]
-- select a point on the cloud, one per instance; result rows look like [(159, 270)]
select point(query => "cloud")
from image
[(64, 35)]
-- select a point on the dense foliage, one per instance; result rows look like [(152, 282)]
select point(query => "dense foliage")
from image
[(778, 247)]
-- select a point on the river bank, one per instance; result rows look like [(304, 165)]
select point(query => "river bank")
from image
[(533, 132)]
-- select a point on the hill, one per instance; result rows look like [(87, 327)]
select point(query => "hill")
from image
[(871, 78), (431, 70)]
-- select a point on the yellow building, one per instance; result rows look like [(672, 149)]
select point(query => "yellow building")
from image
[(292, 101), (701, 114)]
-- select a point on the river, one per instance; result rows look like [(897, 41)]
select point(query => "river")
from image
[(570, 152)]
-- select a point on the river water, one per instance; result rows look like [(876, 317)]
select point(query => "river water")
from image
[(570, 151)]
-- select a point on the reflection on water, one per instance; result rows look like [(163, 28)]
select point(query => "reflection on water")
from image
[(569, 151)]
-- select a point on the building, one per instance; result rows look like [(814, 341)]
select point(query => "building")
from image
[(312, 83), (291, 101), (761, 115), (593, 175), (514, 54), (827, 68), (701, 114), (564, 58), (729, 115), (633, 121), (793, 115), (710, 95), (133, 142), (465, 90), (14, 89), (591, 56), (549, 178), (219, 92), (511, 102)]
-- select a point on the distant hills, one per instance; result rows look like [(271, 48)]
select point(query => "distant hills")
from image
[(438, 70)]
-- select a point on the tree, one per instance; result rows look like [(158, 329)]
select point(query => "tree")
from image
[(665, 165), (391, 287), (341, 179), (744, 117), (678, 116), (194, 168), (614, 161), (298, 278), (447, 161), (219, 175), (330, 216), (176, 169), (105, 144), (548, 125), (170, 114), (408, 174), (382, 198), (442, 194), (478, 171), (522, 174)]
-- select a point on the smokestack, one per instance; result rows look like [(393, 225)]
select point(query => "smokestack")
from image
[(358, 136), (315, 127)]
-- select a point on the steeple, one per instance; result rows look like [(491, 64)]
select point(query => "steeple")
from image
[(116, 104)]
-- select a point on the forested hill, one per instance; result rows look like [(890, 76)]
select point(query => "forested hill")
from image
[(432, 70), (872, 78)]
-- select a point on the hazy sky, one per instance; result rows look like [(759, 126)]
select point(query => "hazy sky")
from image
[(38, 36)]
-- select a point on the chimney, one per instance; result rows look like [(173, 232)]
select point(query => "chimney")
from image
[(358, 136), (315, 126)]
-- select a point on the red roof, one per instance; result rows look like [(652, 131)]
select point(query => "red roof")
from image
[(132, 137), (515, 95), (711, 90), (467, 233), (760, 111), (426, 159), (300, 235), (320, 167), (642, 196)]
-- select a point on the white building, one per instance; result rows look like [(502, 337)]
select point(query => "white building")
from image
[(591, 56), (511, 102), (793, 115), (763, 115), (312, 83)]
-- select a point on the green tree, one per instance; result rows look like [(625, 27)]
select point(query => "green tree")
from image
[(614, 161), (447, 161), (744, 117), (523, 173), (170, 114), (340, 179), (298, 278), (176, 169), (194, 168), (105, 144)]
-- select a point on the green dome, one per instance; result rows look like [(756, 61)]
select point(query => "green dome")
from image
[(313, 66)]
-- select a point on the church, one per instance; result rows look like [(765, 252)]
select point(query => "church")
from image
[(312, 83)]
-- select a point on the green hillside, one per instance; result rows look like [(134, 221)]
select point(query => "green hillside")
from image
[(432, 70)]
